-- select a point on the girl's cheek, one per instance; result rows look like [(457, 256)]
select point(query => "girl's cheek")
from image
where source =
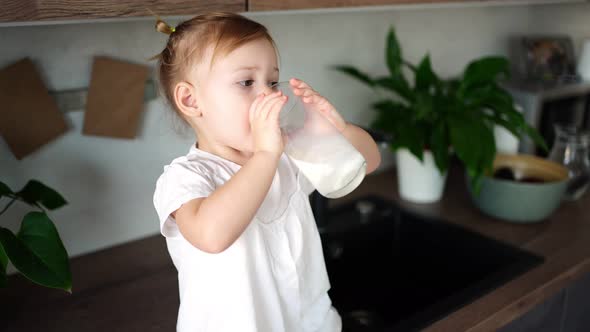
[(249, 97)]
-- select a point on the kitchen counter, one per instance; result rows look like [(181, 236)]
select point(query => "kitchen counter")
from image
[(133, 287), (563, 240)]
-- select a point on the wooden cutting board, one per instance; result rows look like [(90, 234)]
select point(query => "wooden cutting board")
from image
[(29, 117), (115, 98)]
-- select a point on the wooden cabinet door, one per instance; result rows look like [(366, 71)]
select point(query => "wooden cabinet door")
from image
[(262, 5), (60, 10), (568, 311)]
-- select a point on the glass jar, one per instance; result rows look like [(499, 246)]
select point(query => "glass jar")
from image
[(571, 149), (321, 153)]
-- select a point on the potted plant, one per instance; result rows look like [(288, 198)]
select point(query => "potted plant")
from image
[(37, 250), (431, 118)]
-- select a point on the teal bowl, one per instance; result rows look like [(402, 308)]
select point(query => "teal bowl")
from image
[(522, 202)]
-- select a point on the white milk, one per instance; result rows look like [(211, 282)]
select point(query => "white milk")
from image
[(330, 163)]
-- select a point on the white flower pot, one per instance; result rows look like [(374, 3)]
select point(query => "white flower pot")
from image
[(419, 182), (506, 142)]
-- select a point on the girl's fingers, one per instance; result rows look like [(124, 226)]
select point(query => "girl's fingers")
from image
[(314, 98), (254, 106), (309, 92), (297, 92), (270, 106), (274, 113), (261, 104), (265, 109), (299, 83), (268, 98), (304, 92)]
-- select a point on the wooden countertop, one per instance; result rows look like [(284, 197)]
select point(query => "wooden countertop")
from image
[(133, 287), (563, 240)]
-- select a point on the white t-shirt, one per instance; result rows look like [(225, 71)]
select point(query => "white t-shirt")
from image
[(272, 278)]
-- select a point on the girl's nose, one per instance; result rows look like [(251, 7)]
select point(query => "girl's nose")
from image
[(267, 89)]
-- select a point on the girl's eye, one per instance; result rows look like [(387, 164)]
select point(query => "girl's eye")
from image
[(246, 82)]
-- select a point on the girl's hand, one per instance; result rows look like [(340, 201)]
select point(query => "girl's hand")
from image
[(318, 103), (264, 121)]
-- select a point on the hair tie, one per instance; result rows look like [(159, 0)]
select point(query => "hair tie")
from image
[(167, 28)]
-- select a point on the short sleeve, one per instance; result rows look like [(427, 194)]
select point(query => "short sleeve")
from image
[(179, 184)]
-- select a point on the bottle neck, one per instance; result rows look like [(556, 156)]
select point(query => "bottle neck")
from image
[(571, 137)]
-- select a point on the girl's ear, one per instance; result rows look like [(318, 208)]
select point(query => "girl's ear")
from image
[(185, 97)]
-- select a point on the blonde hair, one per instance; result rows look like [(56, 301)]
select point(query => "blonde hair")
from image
[(188, 41)]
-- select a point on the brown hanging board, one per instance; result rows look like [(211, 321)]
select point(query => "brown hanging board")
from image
[(115, 98), (29, 117)]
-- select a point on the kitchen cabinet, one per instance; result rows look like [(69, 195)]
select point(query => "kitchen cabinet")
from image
[(19, 11), (577, 306), (567, 311), (64, 10), (545, 317), (262, 5)]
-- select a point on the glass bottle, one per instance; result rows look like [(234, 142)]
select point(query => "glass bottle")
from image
[(571, 149)]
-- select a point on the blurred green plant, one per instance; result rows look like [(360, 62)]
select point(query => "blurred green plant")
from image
[(445, 116), (36, 250)]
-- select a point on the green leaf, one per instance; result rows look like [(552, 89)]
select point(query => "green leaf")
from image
[(486, 95), (494, 118), (412, 137), (473, 142), (476, 181), (499, 101), (5, 190), (500, 114), (507, 116), (37, 252), (3, 264), (462, 136), (393, 53), (439, 144), (389, 114), (511, 115), (410, 66), (397, 120), (384, 122), (355, 73), (424, 106), (501, 95), (36, 192), (536, 137), (484, 70), (450, 88), (397, 84), (390, 106), (425, 77)]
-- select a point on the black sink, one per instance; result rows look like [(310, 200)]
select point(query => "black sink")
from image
[(392, 270)]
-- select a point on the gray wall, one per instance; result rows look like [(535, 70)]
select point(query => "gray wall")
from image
[(109, 183)]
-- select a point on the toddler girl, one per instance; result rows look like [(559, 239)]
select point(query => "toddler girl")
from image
[(235, 210)]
